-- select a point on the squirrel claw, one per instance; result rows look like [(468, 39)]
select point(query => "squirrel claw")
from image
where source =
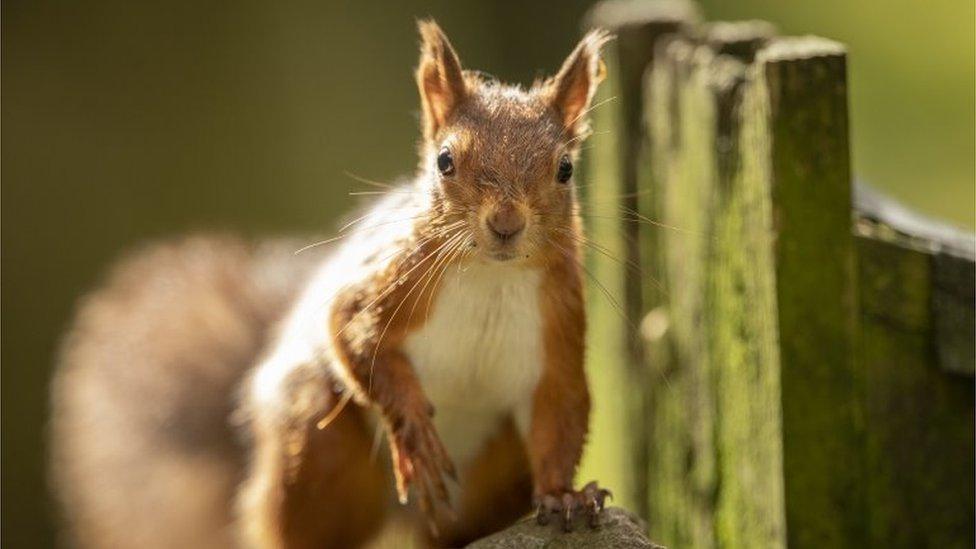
[(593, 494), (421, 464), (569, 509), (542, 515), (594, 499), (587, 503)]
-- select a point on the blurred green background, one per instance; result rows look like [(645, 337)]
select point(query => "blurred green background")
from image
[(125, 122)]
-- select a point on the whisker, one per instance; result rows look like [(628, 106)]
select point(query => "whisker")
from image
[(634, 267), (604, 250), (646, 219), (425, 239), (586, 136), (379, 342), (393, 285), (606, 199), (379, 193), (614, 303), (356, 231), (440, 232), (354, 221), (633, 220), (368, 181), (587, 111), (619, 231), (464, 249), (320, 243), (610, 298), (444, 260), (369, 214)]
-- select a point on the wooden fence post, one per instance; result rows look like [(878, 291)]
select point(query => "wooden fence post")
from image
[(716, 453), (810, 185), (760, 393)]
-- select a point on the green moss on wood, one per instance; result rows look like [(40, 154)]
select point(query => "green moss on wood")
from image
[(791, 395), (750, 506), (815, 291), (717, 475), (919, 418)]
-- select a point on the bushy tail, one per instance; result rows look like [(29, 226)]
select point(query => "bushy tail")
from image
[(143, 450)]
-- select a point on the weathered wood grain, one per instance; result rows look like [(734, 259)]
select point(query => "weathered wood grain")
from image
[(756, 341), (749, 502), (918, 417), (717, 445), (815, 291), (805, 381)]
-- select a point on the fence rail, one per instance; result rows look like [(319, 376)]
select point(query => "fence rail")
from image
[(802, 373)]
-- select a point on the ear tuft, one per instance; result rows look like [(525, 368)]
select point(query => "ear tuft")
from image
[(439, 77), (573, 87)]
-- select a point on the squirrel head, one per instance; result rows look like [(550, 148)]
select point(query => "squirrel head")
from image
[(500, 158)]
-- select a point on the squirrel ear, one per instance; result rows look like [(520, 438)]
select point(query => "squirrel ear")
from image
[(573, 87), (439, 77)]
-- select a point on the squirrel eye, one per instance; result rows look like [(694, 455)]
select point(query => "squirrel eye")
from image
[(565, 170), (445, 162)]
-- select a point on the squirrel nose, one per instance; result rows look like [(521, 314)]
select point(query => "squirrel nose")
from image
[(506, 221)]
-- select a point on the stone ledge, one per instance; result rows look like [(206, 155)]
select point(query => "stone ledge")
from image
[(618, 529)]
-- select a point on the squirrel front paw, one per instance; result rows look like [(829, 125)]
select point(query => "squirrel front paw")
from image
[(420, 460), (569, 504)]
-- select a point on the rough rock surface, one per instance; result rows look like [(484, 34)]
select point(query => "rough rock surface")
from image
[(618, 529)]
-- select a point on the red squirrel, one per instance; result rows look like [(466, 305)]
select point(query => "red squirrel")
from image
[(450, 321)]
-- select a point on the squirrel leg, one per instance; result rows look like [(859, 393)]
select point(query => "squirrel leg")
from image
[(559, 426), (561, 406), (496, 490), (420, 460), (310, 486), (370, 363)]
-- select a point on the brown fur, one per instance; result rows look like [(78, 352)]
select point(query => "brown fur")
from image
[(322, 490), (307, 484), (497, 490), (143, 450), (561, 405)]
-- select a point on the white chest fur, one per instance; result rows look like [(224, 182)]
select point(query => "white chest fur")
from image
[(479, 354)]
